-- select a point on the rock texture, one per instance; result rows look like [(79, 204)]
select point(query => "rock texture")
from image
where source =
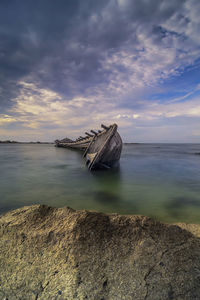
[(60, 253)]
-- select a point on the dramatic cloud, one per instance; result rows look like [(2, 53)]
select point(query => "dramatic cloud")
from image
[(69, 65)]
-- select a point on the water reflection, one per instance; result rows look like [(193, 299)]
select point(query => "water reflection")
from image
[(106, 197), (107, 186), (156, 180), (110, 192), (180, 205)]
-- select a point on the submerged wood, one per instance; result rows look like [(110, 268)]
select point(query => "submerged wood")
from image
[(101, 150)]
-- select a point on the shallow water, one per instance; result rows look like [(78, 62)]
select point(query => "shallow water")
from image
[(157, 180)]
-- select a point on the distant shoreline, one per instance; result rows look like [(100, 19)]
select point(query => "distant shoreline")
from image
[(15, 142)]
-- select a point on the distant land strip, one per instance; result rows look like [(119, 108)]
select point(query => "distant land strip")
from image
[(15, 142)]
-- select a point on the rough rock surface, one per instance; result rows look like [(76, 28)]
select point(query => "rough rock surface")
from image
[(51, 253)]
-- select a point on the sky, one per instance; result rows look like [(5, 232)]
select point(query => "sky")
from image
[(67, 66)]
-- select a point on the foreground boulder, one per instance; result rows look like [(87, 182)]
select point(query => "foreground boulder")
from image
[(60, 253)]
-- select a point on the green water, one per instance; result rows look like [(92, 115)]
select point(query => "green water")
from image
[(158, 180)]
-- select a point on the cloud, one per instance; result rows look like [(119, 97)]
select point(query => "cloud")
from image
[(68, 65), (6, 119), (196, 133), (114, 44)]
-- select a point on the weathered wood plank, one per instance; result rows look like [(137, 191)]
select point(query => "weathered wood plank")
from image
[(88, 134), (104, 126), (94, 132)]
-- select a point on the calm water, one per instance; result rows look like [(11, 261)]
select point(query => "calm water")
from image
[(158, 180)]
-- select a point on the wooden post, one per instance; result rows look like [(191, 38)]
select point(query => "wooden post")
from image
[(88, 134), (104, 127), (95, 133)]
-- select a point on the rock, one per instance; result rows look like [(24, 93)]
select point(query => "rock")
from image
[(60, 253)]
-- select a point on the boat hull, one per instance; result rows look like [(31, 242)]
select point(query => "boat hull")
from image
[(106, 152)]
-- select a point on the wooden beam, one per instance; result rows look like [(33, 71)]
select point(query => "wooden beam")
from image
[(104, 127), (95, 133), (88, 134)]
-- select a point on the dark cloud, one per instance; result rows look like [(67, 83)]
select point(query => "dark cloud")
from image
[(62, 45)]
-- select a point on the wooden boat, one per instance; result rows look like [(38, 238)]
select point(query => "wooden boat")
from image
[(102, 149)]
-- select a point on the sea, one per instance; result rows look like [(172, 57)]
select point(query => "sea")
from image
[(161, 181)]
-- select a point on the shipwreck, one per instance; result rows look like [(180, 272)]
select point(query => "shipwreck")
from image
[(101, 149)]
